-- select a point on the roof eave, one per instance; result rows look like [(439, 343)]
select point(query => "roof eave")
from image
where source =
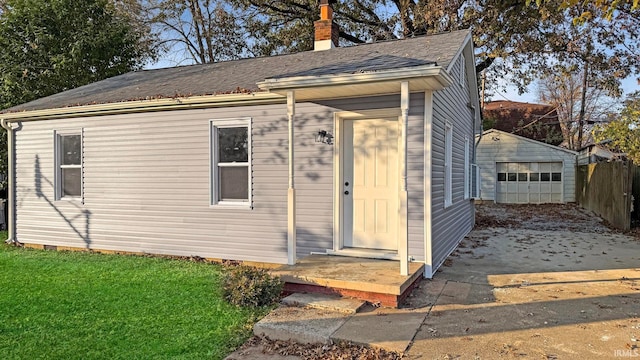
[(428, 77), (126, 107)]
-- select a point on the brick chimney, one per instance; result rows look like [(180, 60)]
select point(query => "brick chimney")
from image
[(327, 33)]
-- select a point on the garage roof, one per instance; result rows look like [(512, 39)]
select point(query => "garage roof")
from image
[(499, 132)]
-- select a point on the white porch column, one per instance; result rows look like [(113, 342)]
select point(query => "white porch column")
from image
[(291, 193), (428, 120), (403, 238)]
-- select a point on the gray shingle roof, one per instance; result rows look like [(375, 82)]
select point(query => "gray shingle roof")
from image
[(242, 75)]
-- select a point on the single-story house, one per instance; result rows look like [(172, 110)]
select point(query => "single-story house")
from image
[(518, 170), (361, 151)]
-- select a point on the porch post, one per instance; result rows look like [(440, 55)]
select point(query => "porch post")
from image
[(403, 245), (428, 120), (291, 193)]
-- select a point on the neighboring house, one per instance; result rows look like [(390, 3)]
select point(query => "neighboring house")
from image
[(234, 160), (534, 121), (517, 170), (595, 153)]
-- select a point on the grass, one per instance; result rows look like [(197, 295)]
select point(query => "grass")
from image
[(64, 305)]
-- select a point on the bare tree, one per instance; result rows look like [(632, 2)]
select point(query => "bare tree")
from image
[(205, 31), (579, 104)]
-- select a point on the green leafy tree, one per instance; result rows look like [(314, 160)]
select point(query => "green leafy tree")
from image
[(49, 46), (624, 132)]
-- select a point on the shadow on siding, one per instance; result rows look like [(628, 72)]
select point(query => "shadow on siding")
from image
[(84, 234)]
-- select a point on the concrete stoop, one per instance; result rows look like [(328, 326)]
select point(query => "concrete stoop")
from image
[(376, 281), (316, 318)]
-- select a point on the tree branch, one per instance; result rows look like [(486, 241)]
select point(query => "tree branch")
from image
[(484, 64)]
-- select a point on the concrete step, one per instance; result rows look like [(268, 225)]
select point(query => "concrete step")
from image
[(306, 326), (324, 302)]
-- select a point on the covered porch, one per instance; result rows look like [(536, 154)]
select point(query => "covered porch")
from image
[(378, 128), (374, 280)]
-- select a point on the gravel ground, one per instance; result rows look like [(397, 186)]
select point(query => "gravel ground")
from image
[(544, 217)]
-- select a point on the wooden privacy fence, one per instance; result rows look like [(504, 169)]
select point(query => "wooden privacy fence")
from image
[(605, 188)]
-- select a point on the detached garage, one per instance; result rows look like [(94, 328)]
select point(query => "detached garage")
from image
[(518, 170)]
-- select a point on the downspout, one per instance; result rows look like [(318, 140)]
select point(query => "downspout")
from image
[(11, 239), (477, 126)]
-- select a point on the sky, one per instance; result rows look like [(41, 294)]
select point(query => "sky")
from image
[(629, 85)]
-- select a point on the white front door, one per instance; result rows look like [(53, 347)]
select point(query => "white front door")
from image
[(370, 184)]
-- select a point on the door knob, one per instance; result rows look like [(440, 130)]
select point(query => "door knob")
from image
[(346, 192), (346, 184)]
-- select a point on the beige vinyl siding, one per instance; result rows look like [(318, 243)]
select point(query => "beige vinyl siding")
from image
[(515, 149), (451, 224)]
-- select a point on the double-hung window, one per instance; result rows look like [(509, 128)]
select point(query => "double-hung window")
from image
[(231, 162), (69, 177)]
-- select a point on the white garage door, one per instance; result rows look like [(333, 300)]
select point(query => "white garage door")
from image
[(529, 182)]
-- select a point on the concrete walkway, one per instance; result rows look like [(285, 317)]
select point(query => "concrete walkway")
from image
[(505, 293), (313, 318)]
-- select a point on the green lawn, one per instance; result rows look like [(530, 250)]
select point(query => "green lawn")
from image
[(62, 305)]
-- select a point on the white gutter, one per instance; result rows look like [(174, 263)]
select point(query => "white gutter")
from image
[(11, 239), (195, 102), (298, 82)]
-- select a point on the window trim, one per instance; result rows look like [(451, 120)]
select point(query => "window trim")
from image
[(467, 168), (475, 174), (214, 124), (58, 193), (463, 72), (448, 164)]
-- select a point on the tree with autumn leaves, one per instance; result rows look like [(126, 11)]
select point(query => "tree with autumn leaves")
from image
[(55, 45), (624, 132)]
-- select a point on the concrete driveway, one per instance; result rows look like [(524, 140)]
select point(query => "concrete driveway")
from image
[(551, 283), (530, 282)]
